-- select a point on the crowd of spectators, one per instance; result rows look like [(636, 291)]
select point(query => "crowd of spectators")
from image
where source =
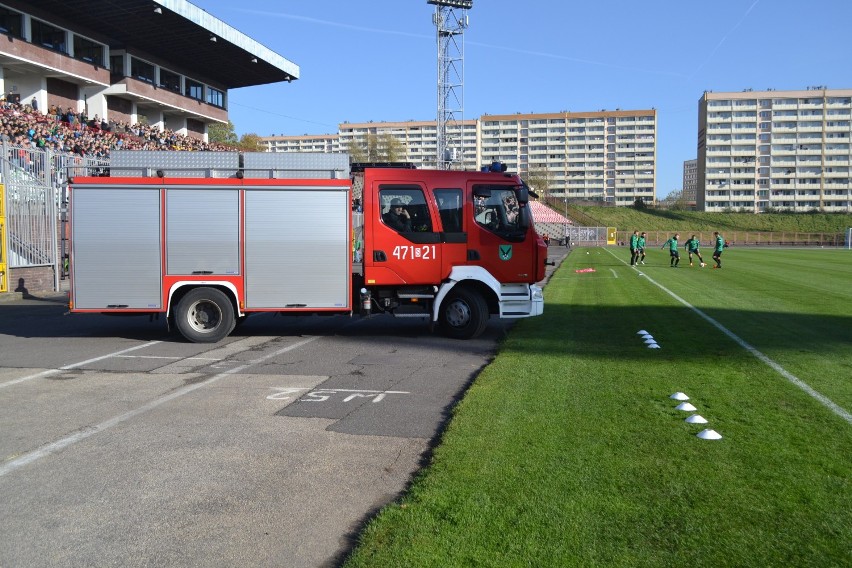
[(66, 131)]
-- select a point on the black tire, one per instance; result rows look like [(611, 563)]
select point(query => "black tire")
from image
[(464, 314), (205, 315)]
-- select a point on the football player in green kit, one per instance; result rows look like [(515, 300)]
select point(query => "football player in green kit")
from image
[(640, 249), (634, 242), (675, 257), (717, 252), (692, 248)]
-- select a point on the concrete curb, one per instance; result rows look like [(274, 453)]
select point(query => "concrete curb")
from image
[(11, 297)]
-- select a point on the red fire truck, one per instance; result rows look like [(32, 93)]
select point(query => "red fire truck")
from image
[(450, 247)]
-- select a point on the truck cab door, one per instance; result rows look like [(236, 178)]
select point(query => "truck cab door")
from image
[(405, 245), (450, 203), (502, 239)]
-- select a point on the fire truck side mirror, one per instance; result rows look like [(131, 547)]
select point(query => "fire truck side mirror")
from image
[(524, 218), (523, 194)]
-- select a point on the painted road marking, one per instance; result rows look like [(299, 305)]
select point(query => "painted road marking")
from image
[(89, 431), (322, 395), (75, 365), (821, 398), (166, 357)]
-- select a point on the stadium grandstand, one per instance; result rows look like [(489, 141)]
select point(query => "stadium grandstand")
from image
[(164, 63), (80, 78)]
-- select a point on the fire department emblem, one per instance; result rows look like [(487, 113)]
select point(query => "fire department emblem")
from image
[(505, 252)]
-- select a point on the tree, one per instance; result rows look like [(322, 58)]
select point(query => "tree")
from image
[(676, 201), (394, 149), (250, 143), (222, 133), (377, 148), (539, 181), (357, 153)]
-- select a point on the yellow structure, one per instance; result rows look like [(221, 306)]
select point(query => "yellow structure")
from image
[(4, 272), (610, 235)]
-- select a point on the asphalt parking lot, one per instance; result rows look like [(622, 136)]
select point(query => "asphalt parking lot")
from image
[(126, 446)]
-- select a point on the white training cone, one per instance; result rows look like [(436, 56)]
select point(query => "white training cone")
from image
[(679, 396), (650, 342), (647, 336), (641, 332), (653, 346), (685, 406), (696, 419), (709, 435)]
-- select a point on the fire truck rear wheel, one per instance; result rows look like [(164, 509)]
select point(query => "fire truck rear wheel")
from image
[(205, 315), (464, 314)]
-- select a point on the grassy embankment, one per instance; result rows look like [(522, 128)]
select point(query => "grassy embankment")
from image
[(628, 218)]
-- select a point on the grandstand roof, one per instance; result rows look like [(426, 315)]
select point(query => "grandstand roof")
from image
[(179, 32)]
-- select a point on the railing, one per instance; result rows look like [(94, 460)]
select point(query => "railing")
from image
[(35, 187), (745, 238)]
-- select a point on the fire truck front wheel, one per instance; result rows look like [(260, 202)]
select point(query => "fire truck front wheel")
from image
[(464, 314), (205, 315)]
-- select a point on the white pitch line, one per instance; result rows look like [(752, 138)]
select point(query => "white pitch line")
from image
[(63, 443), (613, 272), (75, 365), (821, 398)]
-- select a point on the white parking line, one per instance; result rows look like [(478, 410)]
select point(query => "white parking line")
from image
[(165, 357), (63, 443), (821, 398), (75, 365)]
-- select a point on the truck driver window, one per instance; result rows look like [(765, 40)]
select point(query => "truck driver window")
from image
[(499, 212), (450, 207), (403, 209)]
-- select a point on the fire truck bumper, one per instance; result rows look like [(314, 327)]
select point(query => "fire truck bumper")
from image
[(521, 300)]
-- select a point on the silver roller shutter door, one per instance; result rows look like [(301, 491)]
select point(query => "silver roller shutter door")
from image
[(202, 231), (297, 248), (116, 248)]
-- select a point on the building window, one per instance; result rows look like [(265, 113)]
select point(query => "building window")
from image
[(215, 97), (194, 90), (48, 36), (116, 65), (170, 81), (11, 23), (87, 50), (142, 70)]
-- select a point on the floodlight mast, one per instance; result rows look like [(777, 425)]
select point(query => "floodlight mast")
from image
[(450, 19)]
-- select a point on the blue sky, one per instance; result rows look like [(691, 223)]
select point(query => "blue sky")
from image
[(362, 61)]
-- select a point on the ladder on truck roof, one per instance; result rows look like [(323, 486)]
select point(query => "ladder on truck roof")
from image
[(252, 165)]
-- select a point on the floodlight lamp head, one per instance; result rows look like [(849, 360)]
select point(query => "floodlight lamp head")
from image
[(464, 4)]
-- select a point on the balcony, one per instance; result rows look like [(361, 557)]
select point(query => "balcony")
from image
[(718, 108), (838, 128), (743, 198), (837, 163), (785, 105)]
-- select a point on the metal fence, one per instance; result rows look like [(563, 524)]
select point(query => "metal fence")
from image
[(35, 181), (745, 238)]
